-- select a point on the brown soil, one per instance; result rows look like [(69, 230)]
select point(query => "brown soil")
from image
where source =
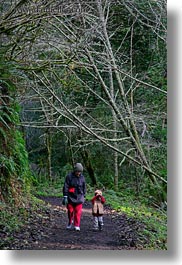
[(47, 230)]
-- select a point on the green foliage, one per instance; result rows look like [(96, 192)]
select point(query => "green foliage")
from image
[(45, 187), (13, 219), (155, 220), (9, 220), (49, 188), (20, 156), (15, 174)]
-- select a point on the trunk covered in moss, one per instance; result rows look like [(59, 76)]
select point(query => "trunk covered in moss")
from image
[(14, 169)]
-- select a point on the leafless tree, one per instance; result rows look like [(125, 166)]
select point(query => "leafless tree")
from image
[(76, 39)]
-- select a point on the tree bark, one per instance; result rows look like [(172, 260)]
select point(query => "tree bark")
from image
[(88, 164)]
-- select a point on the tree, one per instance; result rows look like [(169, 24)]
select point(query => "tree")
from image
[(83, 44), (14, 169)]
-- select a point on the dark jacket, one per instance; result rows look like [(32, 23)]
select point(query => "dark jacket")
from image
[(75, 188)]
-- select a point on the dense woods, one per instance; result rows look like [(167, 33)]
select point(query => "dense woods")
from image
[(83, 81)]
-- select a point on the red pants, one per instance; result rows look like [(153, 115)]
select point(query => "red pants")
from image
[(76, 212)]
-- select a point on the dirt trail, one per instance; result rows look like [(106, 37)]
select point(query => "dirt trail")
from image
[(47, 230)]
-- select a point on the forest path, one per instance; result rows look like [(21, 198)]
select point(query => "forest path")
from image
[(47, 230)]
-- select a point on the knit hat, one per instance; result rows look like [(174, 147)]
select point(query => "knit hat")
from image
[(98, 192), (78, 167)]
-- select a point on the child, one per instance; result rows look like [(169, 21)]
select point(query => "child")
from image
[(98, 210)]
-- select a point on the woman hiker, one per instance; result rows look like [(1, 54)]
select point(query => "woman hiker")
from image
[(74, 191)]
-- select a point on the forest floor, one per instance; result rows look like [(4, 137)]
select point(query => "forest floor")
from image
[(46, 229)]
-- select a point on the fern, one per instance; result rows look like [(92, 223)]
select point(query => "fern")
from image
[(4, 122), (3, 134), (8, 164)]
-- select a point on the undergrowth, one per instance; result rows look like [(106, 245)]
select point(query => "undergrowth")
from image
[(12, 219)]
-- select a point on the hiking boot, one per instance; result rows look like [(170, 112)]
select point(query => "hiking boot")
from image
[(77, 228), (69, 227), (101, 226)]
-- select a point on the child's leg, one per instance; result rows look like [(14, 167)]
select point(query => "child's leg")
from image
[(100, 222), (96, 223)]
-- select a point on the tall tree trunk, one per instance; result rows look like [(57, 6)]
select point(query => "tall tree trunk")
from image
[(49, 153), (70, 148), (48, 112), (115, 132), (88, 164), (5, 127)]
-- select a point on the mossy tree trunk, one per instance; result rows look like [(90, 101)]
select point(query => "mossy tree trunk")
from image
[(5, 133), (14, 170)]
